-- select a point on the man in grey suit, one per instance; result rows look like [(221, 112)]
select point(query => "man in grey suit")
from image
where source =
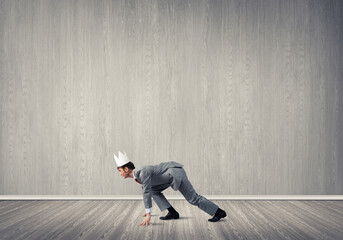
[(156, 178)]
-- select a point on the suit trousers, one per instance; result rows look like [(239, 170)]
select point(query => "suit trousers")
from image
[(188, 192)]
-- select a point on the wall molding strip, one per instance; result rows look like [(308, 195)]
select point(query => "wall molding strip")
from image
[(171, 197)]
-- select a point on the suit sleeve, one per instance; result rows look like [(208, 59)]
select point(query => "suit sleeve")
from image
[(146, 177)]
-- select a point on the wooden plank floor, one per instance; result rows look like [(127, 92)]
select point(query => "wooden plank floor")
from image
[(89, 219)]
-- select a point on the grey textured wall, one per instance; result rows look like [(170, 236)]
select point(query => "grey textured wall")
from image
[(246, 94)]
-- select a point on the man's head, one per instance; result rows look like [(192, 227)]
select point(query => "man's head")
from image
[(126, 170)]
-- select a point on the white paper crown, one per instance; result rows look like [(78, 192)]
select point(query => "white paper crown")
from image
[(121, 160)]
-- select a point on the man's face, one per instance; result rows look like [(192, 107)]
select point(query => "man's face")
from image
[(124, 172)]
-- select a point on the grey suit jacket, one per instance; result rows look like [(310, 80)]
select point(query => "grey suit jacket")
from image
[(152, 176)]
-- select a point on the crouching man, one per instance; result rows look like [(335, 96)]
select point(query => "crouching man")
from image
[(156, 178)]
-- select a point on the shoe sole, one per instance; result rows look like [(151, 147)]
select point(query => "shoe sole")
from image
[(168, 218), (162, 218)]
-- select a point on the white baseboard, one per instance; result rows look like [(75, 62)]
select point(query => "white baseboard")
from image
[(171, 197)]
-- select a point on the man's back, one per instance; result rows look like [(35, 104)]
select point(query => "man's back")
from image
[(163, 173)]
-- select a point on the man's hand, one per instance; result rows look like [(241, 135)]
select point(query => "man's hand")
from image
[(146, 220)]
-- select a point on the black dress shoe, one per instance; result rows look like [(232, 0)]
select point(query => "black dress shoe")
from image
[(170, 216), (219, 214)]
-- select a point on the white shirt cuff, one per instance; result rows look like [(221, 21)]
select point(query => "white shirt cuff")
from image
[(148, 210)]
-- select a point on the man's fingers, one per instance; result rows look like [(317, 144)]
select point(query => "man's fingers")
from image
[(145, 223)]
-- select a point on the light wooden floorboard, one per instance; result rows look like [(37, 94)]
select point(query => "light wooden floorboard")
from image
[(120, 219)]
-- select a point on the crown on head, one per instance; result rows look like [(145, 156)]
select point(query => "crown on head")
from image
[(121, 160)]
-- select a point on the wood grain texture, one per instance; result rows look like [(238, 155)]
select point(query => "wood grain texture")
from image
[(121, 219), (247, 94)]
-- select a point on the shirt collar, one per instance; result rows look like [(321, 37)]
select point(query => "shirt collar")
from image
[(134, 176)]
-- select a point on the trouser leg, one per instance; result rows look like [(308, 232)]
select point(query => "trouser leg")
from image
[(160, 199), (193, 198)]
